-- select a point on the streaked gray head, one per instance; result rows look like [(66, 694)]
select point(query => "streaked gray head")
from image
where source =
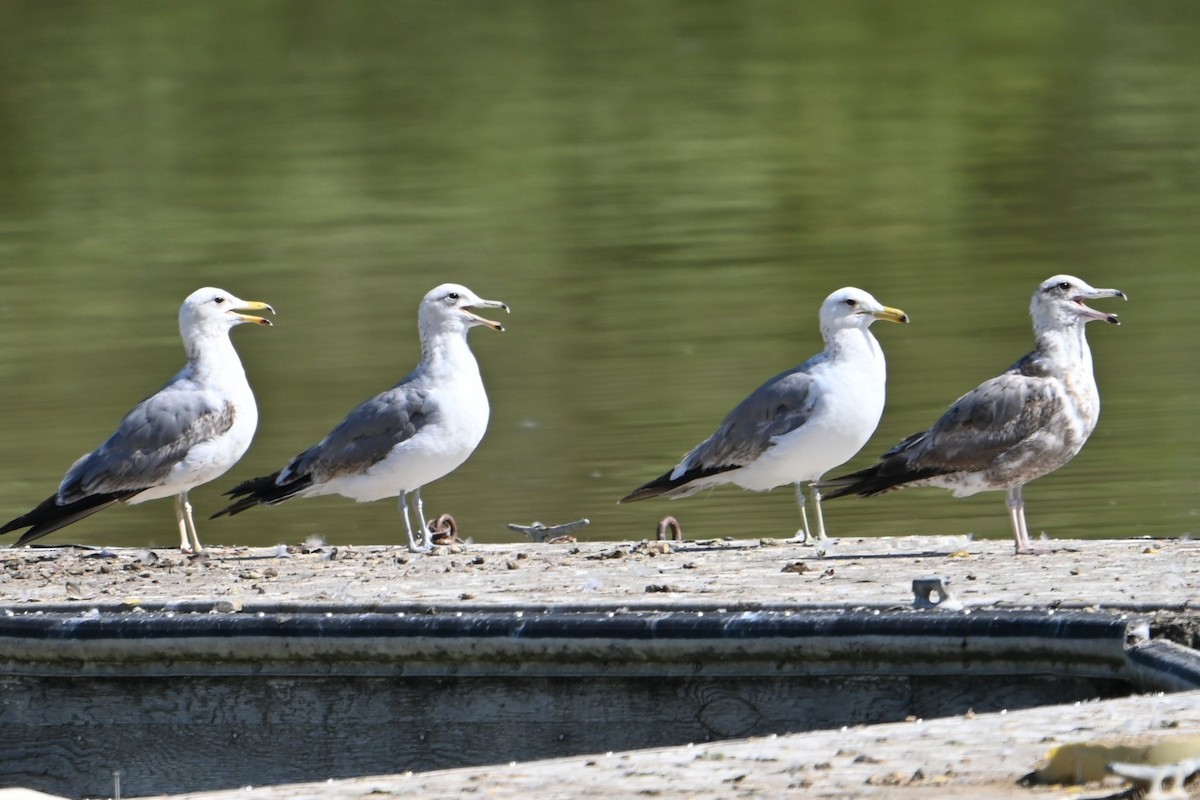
[(853, 308), (448, 308), (1059, 303), (210, 311)]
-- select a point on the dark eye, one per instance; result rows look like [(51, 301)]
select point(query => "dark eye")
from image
[(218, 300), (1064, 286), (453, 296), (852, 303)]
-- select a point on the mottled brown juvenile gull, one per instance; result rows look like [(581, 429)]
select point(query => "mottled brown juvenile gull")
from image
[(1014, 428), (801, 423), (188, 433), (423, 428)]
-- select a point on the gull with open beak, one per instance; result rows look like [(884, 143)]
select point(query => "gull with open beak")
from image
[(801, 423), (1014, 428), (420, 430), (186, 434)]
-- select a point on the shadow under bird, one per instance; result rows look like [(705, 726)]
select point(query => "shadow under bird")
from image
[(1016, 427), (186, 434), (802, 422), (420, 430)]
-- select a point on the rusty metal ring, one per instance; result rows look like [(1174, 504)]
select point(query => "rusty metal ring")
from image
[(443, 530), (670, 523)]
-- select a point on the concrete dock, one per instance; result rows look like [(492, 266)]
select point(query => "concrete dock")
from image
[(1134, 573), (802, 636)]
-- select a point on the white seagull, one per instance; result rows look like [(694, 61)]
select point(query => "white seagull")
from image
[(1014, 428), (186, 434), (421, 429), (801, 423)]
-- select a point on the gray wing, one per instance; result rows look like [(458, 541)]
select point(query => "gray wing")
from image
[(152, 438), (984, 424), (779, 406), (365, 436)]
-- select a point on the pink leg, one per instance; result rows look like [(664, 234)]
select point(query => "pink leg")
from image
[(1016, 514)]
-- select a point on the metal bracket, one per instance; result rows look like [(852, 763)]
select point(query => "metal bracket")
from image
[(540, 532)]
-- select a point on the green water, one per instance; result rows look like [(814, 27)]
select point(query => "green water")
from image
[(663, 192)]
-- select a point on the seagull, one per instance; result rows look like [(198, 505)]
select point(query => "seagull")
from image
[(1014, 428), (186, 434), (420, 430), (800, 423)]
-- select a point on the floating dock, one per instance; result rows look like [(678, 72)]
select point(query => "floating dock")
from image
[(878, 667)]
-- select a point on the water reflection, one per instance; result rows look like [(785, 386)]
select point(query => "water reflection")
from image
[(663, 193)]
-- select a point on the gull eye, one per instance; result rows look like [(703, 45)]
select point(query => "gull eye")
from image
[(1064, 285), (218, 300), (852, 303), (453, 296)]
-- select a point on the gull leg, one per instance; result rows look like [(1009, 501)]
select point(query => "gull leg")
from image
[(1016, 514), (184, 547), (816, 493), (802, 534), (1021, 519), (187, 525), (1010, 501), (421, 519), (191, 525), (413, 547)]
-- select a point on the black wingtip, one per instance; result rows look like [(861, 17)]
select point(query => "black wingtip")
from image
[(868, 482), (640, 493), (845, 485), (666, 485), (657, 487), (261, 491), (883, 477), (257, 485), (49, 516), (232, 509)]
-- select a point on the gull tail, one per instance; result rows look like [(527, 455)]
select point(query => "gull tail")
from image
[(883, 477), (893, 471), (682, 486), (654, 488), (49, 516), (864, 483), (262, 491)]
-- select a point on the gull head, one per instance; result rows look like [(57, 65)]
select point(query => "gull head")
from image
[(1059, 303), (448, 308), (211, 311), (854, 308)]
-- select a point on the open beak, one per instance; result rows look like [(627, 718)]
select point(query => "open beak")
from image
[(1095, 294), (888, 314), (478, 320), (252, 305)]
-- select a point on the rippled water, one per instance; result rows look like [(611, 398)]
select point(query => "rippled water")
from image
[(662, 192)]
